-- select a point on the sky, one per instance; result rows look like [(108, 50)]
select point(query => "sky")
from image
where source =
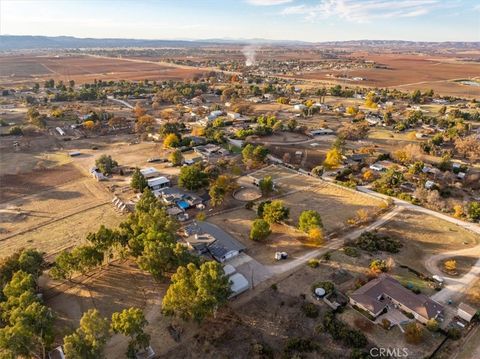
[(306, 20)]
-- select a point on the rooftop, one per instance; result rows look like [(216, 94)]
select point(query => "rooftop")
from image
[(370, 295)]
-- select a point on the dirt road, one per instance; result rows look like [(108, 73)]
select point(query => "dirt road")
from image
[(453, 287)]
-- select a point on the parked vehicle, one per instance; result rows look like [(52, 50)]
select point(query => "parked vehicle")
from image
[(281, 255)]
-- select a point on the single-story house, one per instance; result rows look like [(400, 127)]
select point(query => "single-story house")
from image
[(158, 183), (224, 246), (384, 293), (373, 120), (466, 312), (321, 131), (378, 167), (149, 172), (221, 253), (430, 185)]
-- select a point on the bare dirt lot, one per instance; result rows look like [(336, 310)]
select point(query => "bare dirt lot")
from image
[(394, 338), (423, 236), (252, 326), (27, 69)]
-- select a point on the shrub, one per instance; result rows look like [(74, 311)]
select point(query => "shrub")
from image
[(413, 333), (310, 310), (327, 256), (450, 265), (432, 325), (378, 265), (313, 263), (454, 333), (274, 287), (373, 242), (350, 251), (299, 345), (261, 350), (386, 324), (15, 131), (340, 331)]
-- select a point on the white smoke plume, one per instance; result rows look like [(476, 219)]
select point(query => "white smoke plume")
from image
[(249, 52)]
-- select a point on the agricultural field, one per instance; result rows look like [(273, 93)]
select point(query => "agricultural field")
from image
[(27, 69), (410, 72)]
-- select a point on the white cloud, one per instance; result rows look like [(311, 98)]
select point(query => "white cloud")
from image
[(268, 2), (363, 11)]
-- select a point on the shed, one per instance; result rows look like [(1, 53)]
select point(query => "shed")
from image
[(238, 284), (466, 312)]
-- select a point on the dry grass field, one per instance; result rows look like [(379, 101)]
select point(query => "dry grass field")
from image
[(120, 286), (62, 233), (283, 238), (335, 204), (27, 69), (423, 236)]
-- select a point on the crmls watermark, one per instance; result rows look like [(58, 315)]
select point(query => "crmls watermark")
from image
[(389, 352)]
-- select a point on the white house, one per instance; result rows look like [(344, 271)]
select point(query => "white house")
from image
[(158, 182), (378, 167), (233, 115), (299, 107)]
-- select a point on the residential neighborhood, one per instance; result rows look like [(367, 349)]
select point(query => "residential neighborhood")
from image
[(225, 198)]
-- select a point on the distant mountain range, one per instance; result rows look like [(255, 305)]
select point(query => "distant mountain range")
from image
[(28, 42)]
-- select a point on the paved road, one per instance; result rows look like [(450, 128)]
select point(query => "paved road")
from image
[(332, 244), (124, 103)]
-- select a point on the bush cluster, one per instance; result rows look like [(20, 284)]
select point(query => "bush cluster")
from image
[(373, 242)]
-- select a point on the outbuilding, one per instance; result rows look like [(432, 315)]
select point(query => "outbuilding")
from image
[(466, 312), (149, 172), (238, 284)]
